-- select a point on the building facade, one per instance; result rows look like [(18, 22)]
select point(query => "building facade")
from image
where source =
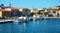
[(25, 11)]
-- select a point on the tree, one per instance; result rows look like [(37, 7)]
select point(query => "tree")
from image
[(39, 12), (46, 13), (32, 14), (54, 12), (50, 15), (2, 5)]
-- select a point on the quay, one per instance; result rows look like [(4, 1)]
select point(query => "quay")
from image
[(5, 20), (50, 17), (8, 20), (17, 19)]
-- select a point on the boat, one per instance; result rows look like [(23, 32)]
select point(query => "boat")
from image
[(22, 19), (34, 18), (5, 21)]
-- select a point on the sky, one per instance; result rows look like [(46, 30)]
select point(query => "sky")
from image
[(31, 3)]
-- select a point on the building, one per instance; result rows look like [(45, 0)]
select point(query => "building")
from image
[(8, 12), (5, 12), (25, 11), (34, 10), (42, 12), (53, 10), (55, 7), (15, 12)]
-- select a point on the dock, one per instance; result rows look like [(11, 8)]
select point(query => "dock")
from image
[(8, 20), (16, 19), (50, 17)]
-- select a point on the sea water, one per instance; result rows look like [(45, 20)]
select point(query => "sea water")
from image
[(40, 26)]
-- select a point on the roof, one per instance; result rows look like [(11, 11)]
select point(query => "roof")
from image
[(56, 6), (3, 10), (15, 9), (12, 8), (6, 7)]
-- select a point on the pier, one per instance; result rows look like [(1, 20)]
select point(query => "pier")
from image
[(9, 19)]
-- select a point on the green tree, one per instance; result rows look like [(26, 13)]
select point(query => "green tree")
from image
[(54, 12), (46, 13), (2, 5), (39, 12)]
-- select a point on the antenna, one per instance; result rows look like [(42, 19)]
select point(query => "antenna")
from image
[(10, 3)]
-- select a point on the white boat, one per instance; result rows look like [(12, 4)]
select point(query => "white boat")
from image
[(34, 17), (22, 19)]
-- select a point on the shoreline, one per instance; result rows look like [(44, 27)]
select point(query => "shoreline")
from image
[(50, 17), (14, 20)]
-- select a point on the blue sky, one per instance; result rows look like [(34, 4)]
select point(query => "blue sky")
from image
[(31, 3)]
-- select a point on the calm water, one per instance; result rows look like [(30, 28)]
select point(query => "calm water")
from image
[(40, 26)]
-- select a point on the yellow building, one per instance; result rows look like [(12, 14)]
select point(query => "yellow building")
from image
[(0, 14)]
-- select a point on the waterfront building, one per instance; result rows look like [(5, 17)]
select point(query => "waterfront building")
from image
[(57, 8), (0, 14), (42, 12), (5, 11), (15, 12), (51, 12), (34, 10), (25, 11), (8, 12), (54, 10)]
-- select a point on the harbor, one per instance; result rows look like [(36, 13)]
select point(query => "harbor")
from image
[(25, 19), (8, 13), (29, 16), (40, 26)]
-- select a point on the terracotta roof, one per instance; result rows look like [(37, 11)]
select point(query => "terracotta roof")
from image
[(12, 8), (15, 9), (3, 10), (23, 8), (53, 9), (7, 7)]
